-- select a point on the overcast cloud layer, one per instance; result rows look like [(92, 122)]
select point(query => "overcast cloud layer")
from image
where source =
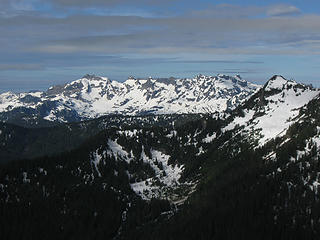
[(53, 41)]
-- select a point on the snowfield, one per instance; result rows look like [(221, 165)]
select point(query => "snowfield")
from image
[(166, 177), (92, 97), (283, 107)]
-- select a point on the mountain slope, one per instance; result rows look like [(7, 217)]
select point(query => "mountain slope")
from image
[(257, 187), (270, 112), (91, 97), (252, 175), (18, 142), (121, 168)]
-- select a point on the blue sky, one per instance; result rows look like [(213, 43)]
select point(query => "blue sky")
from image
[(47, 42)]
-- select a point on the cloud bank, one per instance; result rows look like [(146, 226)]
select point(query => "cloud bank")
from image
[(59, 35)]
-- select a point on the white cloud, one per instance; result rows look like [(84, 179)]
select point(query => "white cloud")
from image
[(282, 10), (249, 31)]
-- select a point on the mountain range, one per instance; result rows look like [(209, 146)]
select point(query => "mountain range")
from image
[(91, 97), (219, 158)]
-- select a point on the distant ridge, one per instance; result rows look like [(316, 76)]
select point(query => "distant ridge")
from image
[(94, 96)]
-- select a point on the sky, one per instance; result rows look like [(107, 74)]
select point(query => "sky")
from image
[(49, 42)]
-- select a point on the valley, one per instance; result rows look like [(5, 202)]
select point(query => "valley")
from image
[(249, 170)]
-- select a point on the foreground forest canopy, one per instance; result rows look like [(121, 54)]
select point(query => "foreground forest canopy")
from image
[(251, 172)]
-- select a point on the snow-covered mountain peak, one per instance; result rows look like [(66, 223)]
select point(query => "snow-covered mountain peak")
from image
[(93, 77), (278, 82), (234, 80), (93, 96), (92, 80), (270, 112)]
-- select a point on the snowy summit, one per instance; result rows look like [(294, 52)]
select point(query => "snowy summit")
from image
[(93, 96)]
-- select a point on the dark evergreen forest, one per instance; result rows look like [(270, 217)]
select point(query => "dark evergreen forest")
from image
[(243, 191)]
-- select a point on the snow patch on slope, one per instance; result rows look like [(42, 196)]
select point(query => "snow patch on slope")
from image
[(166, 174), (96, 159), (209, 138), (116, 150), (279, 113)]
